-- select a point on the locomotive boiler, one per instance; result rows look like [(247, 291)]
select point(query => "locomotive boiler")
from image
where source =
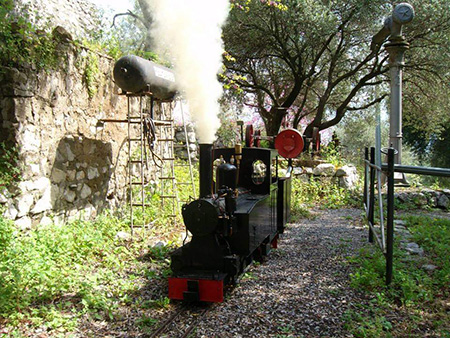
[(243, 207)]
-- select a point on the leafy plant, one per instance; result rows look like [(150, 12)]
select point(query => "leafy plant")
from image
[(52, 275), (331, 154), (367, 326), (9, 167), (418, 291), (22, 43), (92, 75), (317, 192)]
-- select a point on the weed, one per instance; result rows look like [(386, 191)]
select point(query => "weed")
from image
[(160, 303), (22, 43), (9, 169), (53, 270), (367, 326), (248, 276), (146, 323), (416, 290), (318, 193)]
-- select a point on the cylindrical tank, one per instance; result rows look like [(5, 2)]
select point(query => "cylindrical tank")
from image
[(134, 74)]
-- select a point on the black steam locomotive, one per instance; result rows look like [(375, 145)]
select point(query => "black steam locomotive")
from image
[(236, 220), (239, 214)]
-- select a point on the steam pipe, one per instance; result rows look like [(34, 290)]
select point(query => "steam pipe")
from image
[(205, 169)]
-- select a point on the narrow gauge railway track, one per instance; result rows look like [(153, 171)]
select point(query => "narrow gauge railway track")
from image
[(183, 321)]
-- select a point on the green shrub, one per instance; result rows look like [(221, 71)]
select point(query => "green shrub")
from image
[(42, 267), (22, 43), (318, 193)]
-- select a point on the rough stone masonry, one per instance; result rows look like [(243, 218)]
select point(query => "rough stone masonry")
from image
[(71, 166)]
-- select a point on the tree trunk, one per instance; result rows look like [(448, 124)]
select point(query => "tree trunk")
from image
[(275, 117)]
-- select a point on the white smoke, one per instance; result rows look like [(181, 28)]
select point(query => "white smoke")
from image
[(189, 32)]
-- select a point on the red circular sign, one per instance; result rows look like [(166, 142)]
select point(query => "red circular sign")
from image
[(289, 143)]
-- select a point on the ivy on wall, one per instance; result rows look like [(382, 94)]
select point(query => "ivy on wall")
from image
[(22, 43)]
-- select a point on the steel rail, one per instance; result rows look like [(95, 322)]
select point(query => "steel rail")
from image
[(168, 321), (183, 308)]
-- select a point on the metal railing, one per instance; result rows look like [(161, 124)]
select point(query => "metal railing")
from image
[(385, 237)]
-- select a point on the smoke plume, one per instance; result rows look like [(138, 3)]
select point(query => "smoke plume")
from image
[(189, 32)]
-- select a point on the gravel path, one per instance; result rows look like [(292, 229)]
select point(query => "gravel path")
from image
[(302, 290)]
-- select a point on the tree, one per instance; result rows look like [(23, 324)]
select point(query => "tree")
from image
[(426, 118), (133, 30), (311, 57)]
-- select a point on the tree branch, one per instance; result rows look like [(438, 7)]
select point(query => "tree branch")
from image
[(370, 104), (130, 13)]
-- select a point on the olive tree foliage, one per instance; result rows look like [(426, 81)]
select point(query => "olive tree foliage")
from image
[(310, 57), (426, 107), (313, 57)]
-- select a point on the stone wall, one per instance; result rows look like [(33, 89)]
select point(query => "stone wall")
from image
[(80, 18), (71, 165), (345, 177), (180, 147)]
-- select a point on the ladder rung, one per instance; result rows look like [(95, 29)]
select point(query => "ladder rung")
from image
[(168, 158), (136, 161), (136, 139), (167, 178), (140, 205), (163, 122), (166, 139), (139, 183)]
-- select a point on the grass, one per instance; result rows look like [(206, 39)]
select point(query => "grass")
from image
[(418, 296), (317, 193), (54, 275)]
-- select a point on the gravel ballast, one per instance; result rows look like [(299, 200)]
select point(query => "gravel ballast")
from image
[(303, 287)]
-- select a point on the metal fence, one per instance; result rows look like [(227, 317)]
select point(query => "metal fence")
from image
[(373, 185)]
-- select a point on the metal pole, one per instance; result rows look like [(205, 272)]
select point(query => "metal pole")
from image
[(366, 174), (371, 193), (396, 49), (390, 216), (130, 185)]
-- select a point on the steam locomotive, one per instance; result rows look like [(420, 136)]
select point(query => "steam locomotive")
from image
[(244, 204), (236, 220)]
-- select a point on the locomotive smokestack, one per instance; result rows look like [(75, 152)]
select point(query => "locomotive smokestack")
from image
[(205, 169)]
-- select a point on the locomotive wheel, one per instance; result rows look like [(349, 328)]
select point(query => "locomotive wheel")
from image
[(249, 139)]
